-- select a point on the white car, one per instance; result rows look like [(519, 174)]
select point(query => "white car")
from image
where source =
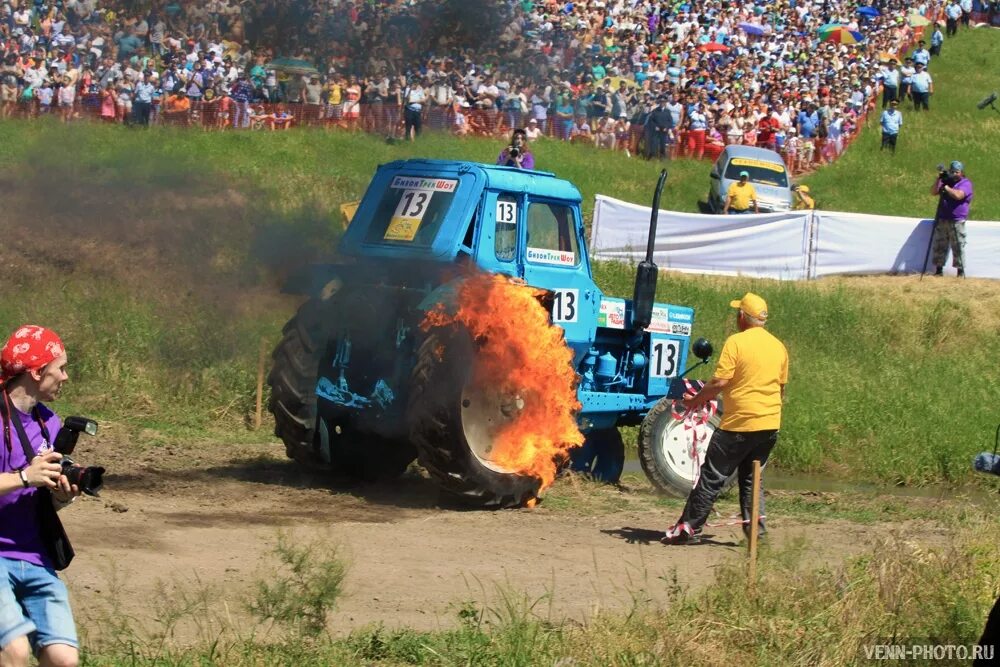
[(767, 173)]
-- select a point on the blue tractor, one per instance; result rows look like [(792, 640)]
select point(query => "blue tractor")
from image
[(357, 385)]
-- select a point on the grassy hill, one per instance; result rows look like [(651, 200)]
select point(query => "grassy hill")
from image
[(157, 256)]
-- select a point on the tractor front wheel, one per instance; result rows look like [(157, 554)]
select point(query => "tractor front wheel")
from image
[(671, 452), (454, 425)]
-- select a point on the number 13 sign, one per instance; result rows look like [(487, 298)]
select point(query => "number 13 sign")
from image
[(409, 212)]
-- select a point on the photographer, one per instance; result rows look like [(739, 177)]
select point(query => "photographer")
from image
[(33, 601), (517, 153), (954, 193)]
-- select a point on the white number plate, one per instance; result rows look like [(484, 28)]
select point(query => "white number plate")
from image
[(565, 305), (664, 356)]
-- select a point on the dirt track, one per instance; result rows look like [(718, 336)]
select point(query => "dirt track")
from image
[(210, 527)]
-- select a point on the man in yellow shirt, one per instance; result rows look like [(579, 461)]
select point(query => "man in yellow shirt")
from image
[(741, 196), (803, 200), (751, 376)]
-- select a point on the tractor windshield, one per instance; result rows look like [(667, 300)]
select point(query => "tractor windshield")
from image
[(411, 210)]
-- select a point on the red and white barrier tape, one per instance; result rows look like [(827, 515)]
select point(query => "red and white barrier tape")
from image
[(696, 422)]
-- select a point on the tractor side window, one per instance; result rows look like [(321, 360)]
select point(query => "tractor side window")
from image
[(552, 235), (505, 242)]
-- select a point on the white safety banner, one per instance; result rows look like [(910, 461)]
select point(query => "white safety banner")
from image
[(771, 245), (856, 243)]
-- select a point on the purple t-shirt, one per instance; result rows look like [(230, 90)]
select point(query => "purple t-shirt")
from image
[(505, 160), (954, 209), (19, 538)]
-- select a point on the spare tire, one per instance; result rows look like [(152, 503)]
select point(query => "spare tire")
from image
[(452, 425), (665, 449)]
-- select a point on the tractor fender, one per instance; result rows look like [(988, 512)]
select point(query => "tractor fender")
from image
[(446, 294), (443, 296), (319, 280)]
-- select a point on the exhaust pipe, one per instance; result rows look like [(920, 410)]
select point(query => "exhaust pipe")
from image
[(646, 273)]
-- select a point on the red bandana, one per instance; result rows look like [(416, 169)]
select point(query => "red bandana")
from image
[(29, 348)]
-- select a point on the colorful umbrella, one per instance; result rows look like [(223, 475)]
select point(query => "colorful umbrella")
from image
[(868, 11), (917, 21), (713, 47), (838, 34), (751, 28)]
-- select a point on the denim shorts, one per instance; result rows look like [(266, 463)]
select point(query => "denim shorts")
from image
[(34, 602)]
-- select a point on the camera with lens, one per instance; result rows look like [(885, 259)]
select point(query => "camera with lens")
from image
[(89, 479), (514, 151), (944, 175)]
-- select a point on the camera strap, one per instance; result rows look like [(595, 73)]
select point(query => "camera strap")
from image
[(7, 413)]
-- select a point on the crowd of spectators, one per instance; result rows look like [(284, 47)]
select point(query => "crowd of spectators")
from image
[(595, 71)]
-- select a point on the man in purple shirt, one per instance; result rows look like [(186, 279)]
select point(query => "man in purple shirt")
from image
[(517, 154), (34, 605), (955, 196)]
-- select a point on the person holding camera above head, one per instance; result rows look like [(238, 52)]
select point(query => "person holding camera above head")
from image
[(517, 153), (954, 193), (34, 605)]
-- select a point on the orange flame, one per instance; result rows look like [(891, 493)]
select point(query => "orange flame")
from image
[(524, 356)]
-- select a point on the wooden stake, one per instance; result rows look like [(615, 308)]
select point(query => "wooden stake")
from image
[(259, 414), (754, 521)]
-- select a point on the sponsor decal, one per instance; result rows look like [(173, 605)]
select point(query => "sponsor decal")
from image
[(680, 329), (660, 321), (760, 164), (678, 315), (556, 257), (612, 315), (420, 183)]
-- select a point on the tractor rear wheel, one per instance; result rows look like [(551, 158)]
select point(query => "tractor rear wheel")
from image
[(453, 425), (293, 382), (293, 403), (666, 450)]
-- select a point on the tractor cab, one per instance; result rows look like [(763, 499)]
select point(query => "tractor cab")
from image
[(525, 224)]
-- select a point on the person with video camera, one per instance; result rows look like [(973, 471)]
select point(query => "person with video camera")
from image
[(954, 193), (35, 614), (517, 153)]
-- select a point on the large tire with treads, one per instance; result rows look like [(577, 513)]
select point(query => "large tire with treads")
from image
[(293, 381), (293, 402), (662, 444), (444, 366)]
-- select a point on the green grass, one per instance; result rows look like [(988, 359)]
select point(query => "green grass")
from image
[(157, 256)]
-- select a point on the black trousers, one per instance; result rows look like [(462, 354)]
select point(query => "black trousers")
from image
[(411, 118), (140, 112), (729, 452), (951, 27), (656, 144), (889, 140), (889, 93), (921, 100)]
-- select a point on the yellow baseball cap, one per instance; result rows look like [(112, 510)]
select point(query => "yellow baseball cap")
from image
[(752, 305)]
